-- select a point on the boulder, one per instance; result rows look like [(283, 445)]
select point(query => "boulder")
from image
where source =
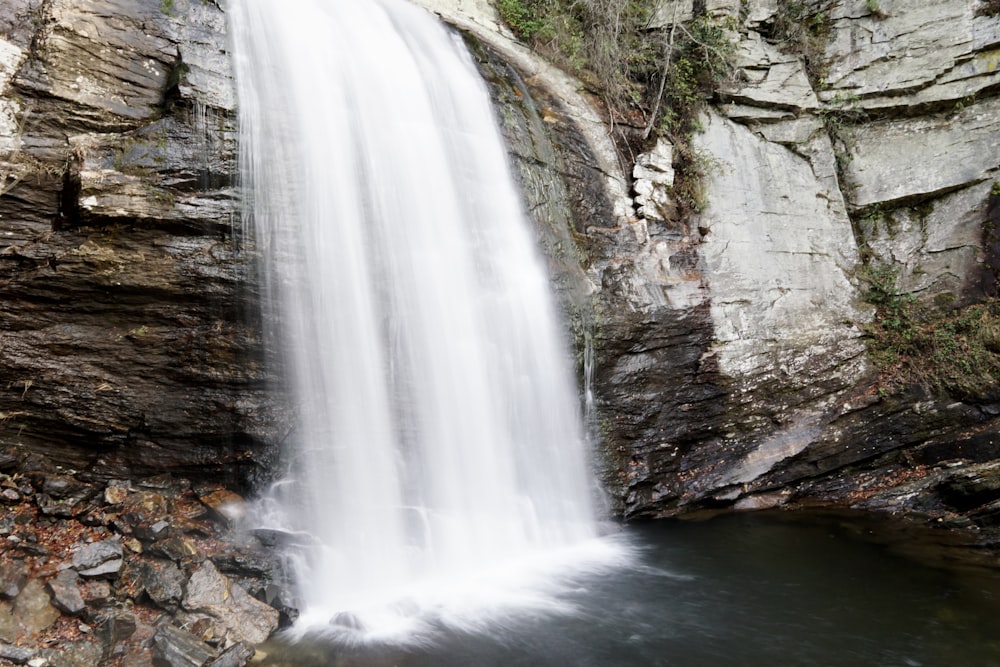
[(65, 591), (29, 614), (13, 577), (237, 615), (173, 647), (115, 625), (100, 559), (237, 655), (159, 579)]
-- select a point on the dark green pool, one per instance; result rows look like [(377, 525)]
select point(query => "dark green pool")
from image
[(745, 590)]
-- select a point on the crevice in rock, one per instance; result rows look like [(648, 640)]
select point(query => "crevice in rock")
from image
[(991, 244), (172, 95), (913, 201), (68, 215)]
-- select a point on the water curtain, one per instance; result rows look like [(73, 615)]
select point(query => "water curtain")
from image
[(437, 431)]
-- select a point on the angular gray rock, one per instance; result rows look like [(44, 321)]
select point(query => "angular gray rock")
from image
[(19, 655), (13, 577), (173, 647), (237, 655), (100, 559), (66, 594)]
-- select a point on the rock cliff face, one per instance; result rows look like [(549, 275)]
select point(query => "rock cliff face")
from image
[(126, 341), (727, 350), (732, 365)]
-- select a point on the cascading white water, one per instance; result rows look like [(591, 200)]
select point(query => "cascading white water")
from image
[(438, 430)]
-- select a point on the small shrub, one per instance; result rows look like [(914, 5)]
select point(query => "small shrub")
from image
[(524, 17), (875, 9), (799, 29), (951, 351), (988, 8)]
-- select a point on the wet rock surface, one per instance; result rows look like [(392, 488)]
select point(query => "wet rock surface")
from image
[(129, 345)]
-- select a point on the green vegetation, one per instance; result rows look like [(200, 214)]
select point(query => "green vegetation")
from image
[(527, 18), (955, 352), (838, 115), (167, 7), (876, 11), (988, 8), (995, 190), (800, 29), (654, 79)]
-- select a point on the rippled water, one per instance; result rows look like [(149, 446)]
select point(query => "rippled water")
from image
[(748, 590)]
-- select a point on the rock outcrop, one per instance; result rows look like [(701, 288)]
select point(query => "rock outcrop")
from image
[(731, 366), (128, 339)]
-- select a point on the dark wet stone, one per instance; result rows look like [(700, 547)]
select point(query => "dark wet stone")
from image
[(65, 591), (973, 488), (17, 654), (165, 482), (63, 508), (346, 619), (245, 563), (173, 647), (60, 486), (159, 579), (270, 537), (237, 655), (8, 462), (176, 548), (13, 577), (156, 530), (114, 625)]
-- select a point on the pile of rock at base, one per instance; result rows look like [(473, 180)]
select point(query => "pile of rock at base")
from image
[(128, 573)]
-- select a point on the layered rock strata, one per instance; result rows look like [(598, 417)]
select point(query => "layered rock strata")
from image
[(731, 366), (126, 310)]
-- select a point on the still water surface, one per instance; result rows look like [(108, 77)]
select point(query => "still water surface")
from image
[(747, 590)]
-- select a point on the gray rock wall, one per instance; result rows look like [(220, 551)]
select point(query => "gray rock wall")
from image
[(731, 363)]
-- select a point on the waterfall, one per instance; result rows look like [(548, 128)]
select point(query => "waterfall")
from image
[(438, 440)]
